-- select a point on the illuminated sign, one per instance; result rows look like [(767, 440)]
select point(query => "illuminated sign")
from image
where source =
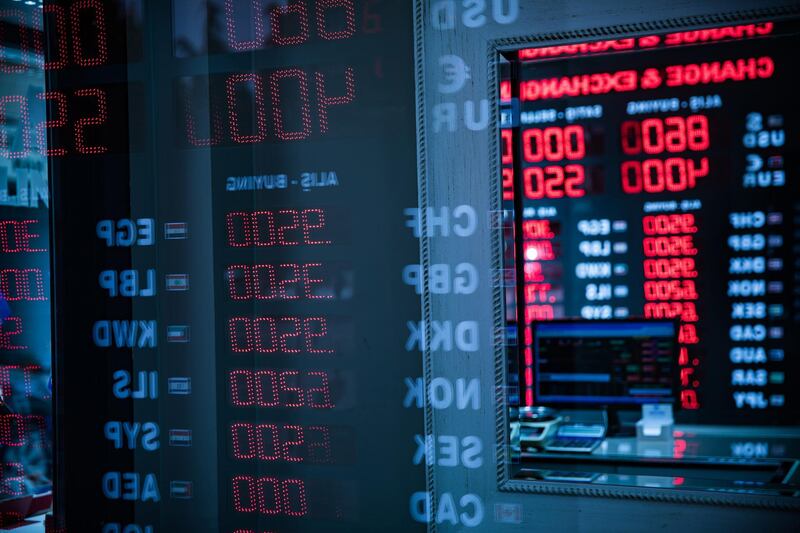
[(648, 178)]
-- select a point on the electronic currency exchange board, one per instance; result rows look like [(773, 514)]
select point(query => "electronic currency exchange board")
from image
[(651, 177), (231, 181)]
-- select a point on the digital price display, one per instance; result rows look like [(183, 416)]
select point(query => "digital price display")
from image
[(25, 414), (651, 177), (242, 370), (25, 353)]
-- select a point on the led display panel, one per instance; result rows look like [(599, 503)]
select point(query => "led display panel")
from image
[(25, 356), (650, 177), (238, 362)]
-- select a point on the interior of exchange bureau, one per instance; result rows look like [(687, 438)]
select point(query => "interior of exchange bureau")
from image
[(435, 265)]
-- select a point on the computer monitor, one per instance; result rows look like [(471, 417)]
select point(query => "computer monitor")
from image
[(604, 363)]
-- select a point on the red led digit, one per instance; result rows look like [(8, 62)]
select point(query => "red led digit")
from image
[(245, 499), (239, 282), (290, 444), (324, 12), (24, 235), (291, 281), (264, 236), (36, 431), (631, 137), (653, 136), (22, 284), (290, 339), (696, 170), (10, 387), (6, 65), (698, 137), (310, 282), (265, 327), (59, 17), (6, 333), (553, 144), (506, 137), (268, 378), (270, 495), (277, 112), (687, 334), (533, 183), (675, 134), (12, 479), (675, 174), (631, 172), (98, 120), (689, 400), (239, 237), (294, 498), (60, 120), (308, 226), (653, 175), (260, 125), (242, 388), (574, 139), (264, 281), (574, 179), (505, 91), (553, 182), (320, 397), (240, 334), (533, 145), (277, 14), (254, 16), (242, 433), (508, 184), (24, 127), (325, 102), (268, 433), (316, 328), (292, 394), (12, 430), (101, 47), (293, 226)]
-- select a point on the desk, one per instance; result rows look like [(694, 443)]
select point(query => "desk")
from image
[(752, 460)]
